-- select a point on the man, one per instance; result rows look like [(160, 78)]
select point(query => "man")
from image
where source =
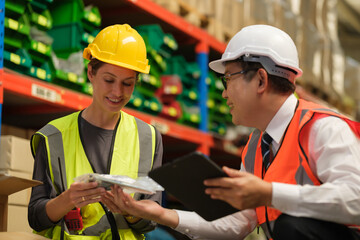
[(305, 158), (300, 175)]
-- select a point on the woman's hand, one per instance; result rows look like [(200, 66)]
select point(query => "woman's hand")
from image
[(119, 202), (82, 194), (78, 195)]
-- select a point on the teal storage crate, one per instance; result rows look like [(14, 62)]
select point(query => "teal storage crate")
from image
[(43, 72), (152, 105), (218, 128), (19, 61), (40, 5), (177, 65), (136, 101)]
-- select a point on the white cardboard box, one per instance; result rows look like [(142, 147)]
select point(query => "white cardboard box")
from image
[(15, 155)]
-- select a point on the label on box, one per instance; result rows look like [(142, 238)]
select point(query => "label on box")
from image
[(43, 92), (15, 58)]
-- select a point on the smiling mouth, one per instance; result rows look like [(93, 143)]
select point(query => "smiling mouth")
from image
[(114, 100)]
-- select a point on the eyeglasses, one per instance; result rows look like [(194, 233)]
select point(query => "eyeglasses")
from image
[(224, 79)]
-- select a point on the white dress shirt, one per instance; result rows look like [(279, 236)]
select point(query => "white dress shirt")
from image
[(334, 157)]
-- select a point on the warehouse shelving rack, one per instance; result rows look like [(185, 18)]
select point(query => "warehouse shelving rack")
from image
[(30, 103)]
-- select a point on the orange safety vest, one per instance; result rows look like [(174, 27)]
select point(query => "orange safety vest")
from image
[(290, 164)]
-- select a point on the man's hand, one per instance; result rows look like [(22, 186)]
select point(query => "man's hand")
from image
[(119, 202), (241, 190)]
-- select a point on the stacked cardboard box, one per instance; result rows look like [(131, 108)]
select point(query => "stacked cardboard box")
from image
[(16, 161)]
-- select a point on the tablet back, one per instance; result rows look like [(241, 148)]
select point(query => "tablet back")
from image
[(184, 177)]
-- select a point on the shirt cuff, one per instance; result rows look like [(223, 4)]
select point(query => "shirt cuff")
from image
[(285, 197), (187, 222)]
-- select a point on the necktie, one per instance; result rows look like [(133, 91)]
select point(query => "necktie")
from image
[(265, 149)]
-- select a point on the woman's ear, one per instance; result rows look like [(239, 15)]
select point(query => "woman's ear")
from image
[(90, 73), (263, 80)]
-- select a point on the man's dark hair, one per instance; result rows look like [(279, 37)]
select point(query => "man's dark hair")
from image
[(277, 84)]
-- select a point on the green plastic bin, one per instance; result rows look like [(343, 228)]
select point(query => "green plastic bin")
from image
[(42, 73), (164, 44), (91, 19), (16, 33), (39, 52), (67, 11), (136, 101), (68, 38), (19, 61), (15, 8), (42, 20)]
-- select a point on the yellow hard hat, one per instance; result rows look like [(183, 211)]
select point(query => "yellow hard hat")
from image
[(120, 45)]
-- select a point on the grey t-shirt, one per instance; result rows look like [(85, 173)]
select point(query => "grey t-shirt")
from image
[(97, 145)]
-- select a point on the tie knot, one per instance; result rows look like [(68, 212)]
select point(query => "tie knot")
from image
[(266, 139)]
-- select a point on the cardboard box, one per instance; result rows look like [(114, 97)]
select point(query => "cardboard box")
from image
[(8, 186), (14, 131), (15, 155), (18, 219), (20, 236)]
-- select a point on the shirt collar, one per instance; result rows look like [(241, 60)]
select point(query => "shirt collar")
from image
[(282, 118)]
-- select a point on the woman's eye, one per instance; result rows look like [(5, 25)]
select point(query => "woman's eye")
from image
[(109, 80), (127, 84)]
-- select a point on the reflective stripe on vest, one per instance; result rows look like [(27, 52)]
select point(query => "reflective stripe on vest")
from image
[(54, 142), (292, 148)]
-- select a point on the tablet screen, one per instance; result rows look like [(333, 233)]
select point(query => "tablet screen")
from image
[(184, 177)]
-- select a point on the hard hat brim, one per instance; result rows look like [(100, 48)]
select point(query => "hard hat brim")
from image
[(218, 66)]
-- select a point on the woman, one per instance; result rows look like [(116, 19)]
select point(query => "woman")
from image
[(101, 139)]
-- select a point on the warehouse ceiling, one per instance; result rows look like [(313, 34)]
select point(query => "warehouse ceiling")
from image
[(349, 27)]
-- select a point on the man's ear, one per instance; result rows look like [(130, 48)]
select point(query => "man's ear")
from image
[(263, 80)]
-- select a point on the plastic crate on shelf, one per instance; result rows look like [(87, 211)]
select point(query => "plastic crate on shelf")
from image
[(43, 72), (190, 114), (154, 36), (217, 127), (39, 52), (191, 76), (91, 18), (67, 11), (171, 88), (177, 65), (171, 111), (42, 20), (73, 42), (15, 8), (19, 61), (152, 105), (136, 100), (16, 32), (150, 82), (190, 95), (40, 5), (87, 88), (68, 80)]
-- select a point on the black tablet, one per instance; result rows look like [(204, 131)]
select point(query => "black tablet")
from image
[(184, 177)]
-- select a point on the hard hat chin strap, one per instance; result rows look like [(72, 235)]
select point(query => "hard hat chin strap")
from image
[(271, 67)]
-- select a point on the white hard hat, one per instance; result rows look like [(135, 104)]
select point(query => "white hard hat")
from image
[(270, 46)]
